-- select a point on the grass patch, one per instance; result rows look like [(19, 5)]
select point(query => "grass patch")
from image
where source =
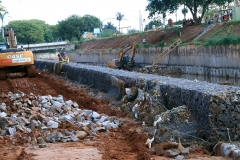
[(226, 40), (143, 45), (218, 32), (231, 22), (160, 44)]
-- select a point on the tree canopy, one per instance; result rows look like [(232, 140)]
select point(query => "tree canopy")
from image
[(27, 31), (3, 15), (109, 25), (119, 18), (154, 22), (2, 8), (162, 6), (74, 26)]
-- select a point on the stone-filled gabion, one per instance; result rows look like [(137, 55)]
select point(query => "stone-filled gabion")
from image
[(209, 104)]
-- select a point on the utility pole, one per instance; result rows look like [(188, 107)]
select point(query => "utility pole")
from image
[(118, 18), (176, 16), (140, 21)]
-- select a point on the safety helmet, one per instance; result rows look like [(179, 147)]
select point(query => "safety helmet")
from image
[(63, 52)]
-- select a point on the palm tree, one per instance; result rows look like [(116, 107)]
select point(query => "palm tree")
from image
[(2, 16), (119, 18), (110, 26)]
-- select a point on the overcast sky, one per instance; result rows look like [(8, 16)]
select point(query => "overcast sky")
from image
[(52, 11)]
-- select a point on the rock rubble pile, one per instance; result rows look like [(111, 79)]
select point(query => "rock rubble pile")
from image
[(34, 120)]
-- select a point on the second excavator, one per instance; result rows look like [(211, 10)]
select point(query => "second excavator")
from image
[(124, 61)]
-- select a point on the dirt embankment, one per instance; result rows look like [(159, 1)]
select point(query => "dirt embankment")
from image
[(167, 35), (152, 37)]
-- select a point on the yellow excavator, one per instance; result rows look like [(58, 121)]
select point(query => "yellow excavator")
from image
[(123, 61), (13, 59), (164, 53)]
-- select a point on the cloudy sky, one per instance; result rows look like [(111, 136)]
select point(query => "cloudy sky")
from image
[(52, 11)]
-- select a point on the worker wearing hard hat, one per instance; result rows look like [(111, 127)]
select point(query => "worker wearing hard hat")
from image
[(63, 57)]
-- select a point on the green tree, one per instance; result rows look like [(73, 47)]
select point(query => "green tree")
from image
[(89, 23), (132, 31), (2, 39), (109, 26), (27, 31), (48, 33), (2, 15), (74, 26), (212, 8), (119, 18), (70, 27), (40, 23), (2, 8), (154, 22), (107, 32), (48, 36), (161, 7)]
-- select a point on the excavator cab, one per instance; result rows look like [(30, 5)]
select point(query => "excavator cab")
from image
[(15, 61), (3, 45), (124, 61)]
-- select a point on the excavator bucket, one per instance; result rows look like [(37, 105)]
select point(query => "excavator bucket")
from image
[(112, 64)]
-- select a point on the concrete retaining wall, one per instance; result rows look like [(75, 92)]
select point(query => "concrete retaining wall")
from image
[(191, 59), (220, 61), (215, 108)]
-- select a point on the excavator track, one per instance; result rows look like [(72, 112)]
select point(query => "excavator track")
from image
[(31, 72)]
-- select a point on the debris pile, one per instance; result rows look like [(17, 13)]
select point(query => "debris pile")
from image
[(32, 120), (142, 104), (226, 150), (158, 71)]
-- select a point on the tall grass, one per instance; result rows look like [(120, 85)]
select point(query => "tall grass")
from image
[(226, 40), (218, 32), (160, 44), (232, 22)]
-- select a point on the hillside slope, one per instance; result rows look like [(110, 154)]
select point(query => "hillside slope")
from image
[(152, 37), (168, 35)]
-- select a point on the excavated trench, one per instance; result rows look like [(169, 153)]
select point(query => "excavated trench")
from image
[(194, 110)]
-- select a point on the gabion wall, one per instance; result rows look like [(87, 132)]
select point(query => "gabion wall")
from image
[(214, 108)]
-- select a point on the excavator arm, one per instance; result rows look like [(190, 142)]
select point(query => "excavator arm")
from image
[(165, 52), (125, 49), (11, 38), (123, 61)]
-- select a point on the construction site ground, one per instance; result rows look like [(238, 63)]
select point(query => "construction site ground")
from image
[(126, 142)]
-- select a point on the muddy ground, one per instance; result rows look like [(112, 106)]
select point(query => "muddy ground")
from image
[(126, 142)]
